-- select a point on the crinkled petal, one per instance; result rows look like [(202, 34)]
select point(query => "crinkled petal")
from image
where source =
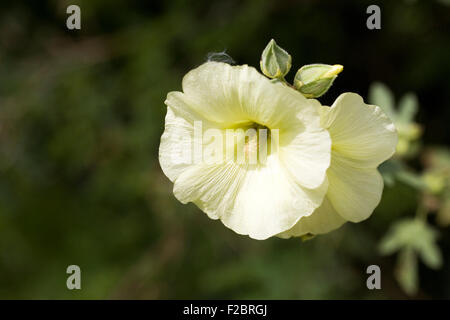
[(362, 133), (259, 201), (306, 153), (353, 192), (235, 94), (176, 151), (307, 156), (225, 96)]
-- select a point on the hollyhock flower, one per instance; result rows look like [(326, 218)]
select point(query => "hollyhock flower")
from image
[(308, 183), (256, 199)]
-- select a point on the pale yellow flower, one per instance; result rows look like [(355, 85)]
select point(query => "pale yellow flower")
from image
[(259, 200), (296, 190)]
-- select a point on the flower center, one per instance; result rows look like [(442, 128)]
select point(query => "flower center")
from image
[(256, 143)]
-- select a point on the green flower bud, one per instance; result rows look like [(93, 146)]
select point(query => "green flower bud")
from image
[(275, 62), (314, 80)]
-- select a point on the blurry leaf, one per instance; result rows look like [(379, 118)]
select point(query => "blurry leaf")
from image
[(431, 255), (413, 233), (403, 117), (406, 271), (407, 108), (401, 234), (390, 243), (411, 237), (411, 179), (381, 95)]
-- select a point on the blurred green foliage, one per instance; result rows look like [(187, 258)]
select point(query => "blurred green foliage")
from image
[(81, 114)]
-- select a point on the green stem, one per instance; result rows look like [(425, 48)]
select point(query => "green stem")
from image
[(421, 212)]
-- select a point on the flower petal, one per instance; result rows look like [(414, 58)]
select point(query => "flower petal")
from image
[(307, 155), (260, 201), (353, 192), (176, 146), (324, 219), (361, 132), (234, 94), (240, 94)]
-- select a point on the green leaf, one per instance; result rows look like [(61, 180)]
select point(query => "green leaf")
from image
[(407, 108), (413, 237), (406, 271), (381, 95), (390, 244), (430, 254), (414, 233)]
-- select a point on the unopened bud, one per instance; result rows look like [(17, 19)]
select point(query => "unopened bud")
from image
[(314, 80), (275, 62)]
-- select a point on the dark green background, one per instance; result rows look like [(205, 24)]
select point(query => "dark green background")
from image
[(82, 112)]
